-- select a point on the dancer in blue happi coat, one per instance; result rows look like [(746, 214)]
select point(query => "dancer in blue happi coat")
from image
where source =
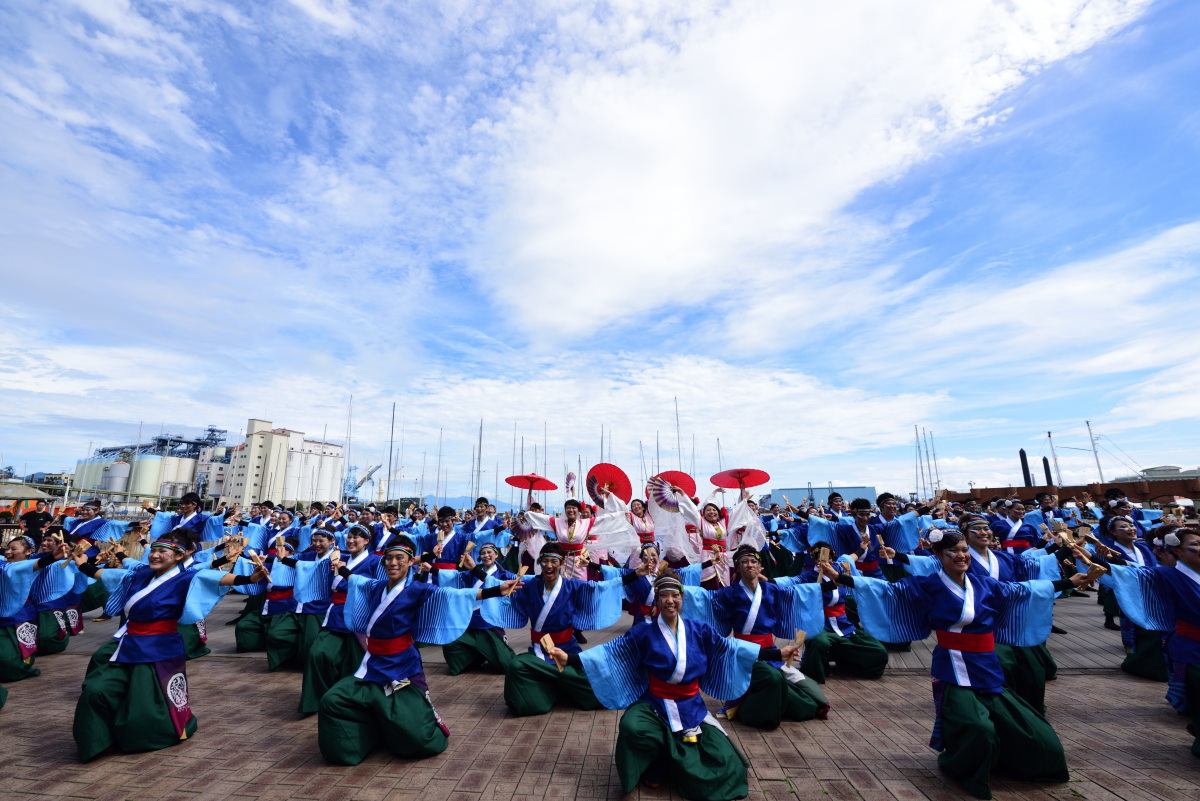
[(335, 652), (554, 607), (841, 644), (482, 643), (757, 610), (1026, 668), (656, 672), (1167, 598), (135, 694), (18, 617), (387, 698), (980, 726)]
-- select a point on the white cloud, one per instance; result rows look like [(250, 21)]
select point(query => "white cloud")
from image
[(710, 158), (1081, 320)]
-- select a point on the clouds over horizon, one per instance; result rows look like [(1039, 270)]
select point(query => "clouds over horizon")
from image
[(563, 212)]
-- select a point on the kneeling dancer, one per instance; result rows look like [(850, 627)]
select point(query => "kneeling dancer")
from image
[(387, 698), (979, 725), (554, 607), (655, 672), (135, 694)]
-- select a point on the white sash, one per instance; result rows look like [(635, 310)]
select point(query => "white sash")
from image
[(137, 596), (677, 642), (547, 602), (755, 605), (353, 563), (1187, 571), (966, 594), (489, 572), (989, 562), (1133, 553), (388, 597), (1013, 527)]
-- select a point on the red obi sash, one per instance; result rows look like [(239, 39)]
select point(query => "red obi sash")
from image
[(445, 565), (280, 595), (152, 627), (837, 610), (1022, 544), (646, 538), (339, 597), (556, 637), (710, 544), (642, 609), (673, 692), (961, 641), (1189, 630), (866, 566), (386, 646), (763, 640), (571, 547)]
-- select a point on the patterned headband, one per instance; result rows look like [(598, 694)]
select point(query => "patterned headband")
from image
[(667, 584), (170, 546), (399, 548)]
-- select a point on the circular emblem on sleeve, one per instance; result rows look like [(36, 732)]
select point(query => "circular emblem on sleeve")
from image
[(27, 633), (177, 691)]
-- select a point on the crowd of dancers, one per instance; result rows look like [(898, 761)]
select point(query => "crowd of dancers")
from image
[(753, 607)]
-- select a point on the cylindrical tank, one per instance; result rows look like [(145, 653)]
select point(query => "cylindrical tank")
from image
[(185, 471), (116, 478), (144, 476), (88, 474), (170, 465)]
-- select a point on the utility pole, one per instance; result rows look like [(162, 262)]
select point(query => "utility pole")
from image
[(1054, 456), (1095, 453)]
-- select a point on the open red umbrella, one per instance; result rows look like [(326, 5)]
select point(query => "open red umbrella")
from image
[(740, 478), (679, 479), (531, 482), (610, 477)]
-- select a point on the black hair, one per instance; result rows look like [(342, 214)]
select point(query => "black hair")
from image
[(858, 504), (884, 498), (949, 540)]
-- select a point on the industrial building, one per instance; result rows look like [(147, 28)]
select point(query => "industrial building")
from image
[(279, 464), (163, 467)]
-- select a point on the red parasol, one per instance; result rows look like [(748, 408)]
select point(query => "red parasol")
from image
[(531, 482), (740, 478), (678, 479), (610, 477)]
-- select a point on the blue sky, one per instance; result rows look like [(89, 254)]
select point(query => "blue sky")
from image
[(814, 226)]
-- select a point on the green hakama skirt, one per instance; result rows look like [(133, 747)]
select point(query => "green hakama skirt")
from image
[(250, 633), (709, 770), (774, 698), (94, 597), (334, 655), (288, 637), (355, 717), (1147, 658), (476, 647), (1026, 671), (860, 655), (12, 666), (123, 705), (982, 732), (53, 636), (532, 685), (193, 646)]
